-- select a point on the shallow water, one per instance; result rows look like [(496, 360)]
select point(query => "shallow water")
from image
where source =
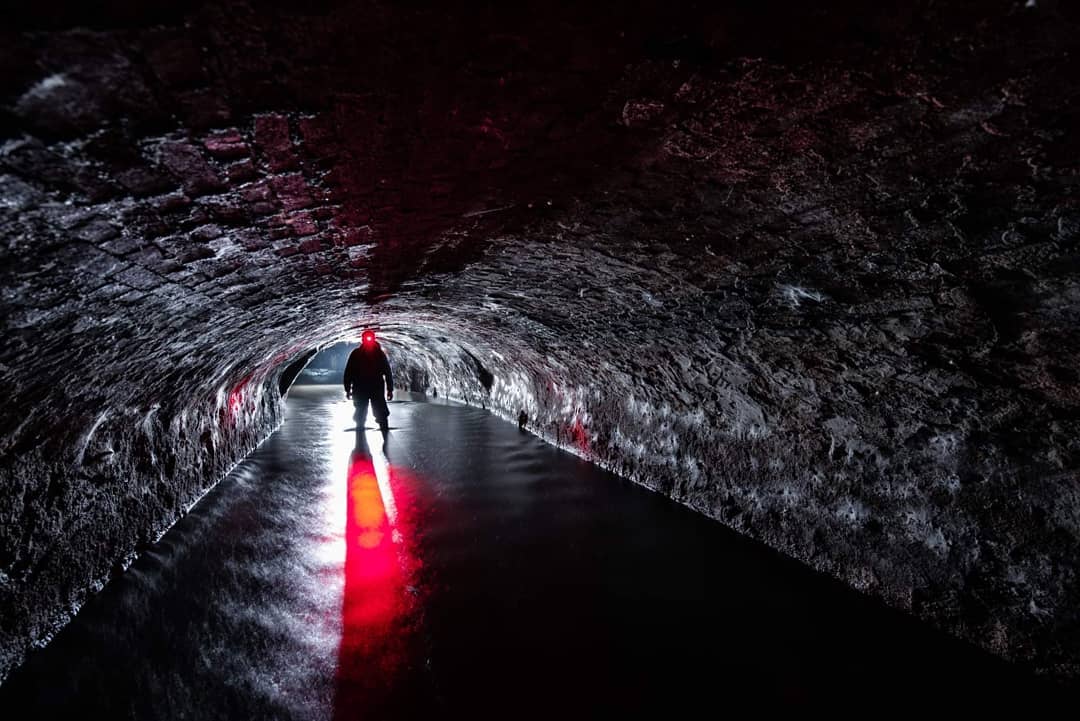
[(470, 570)]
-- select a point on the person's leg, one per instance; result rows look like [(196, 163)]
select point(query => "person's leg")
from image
[(380, 410), (360, 400)]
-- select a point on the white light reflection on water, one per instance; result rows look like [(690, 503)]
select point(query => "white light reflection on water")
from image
[(343, 441)]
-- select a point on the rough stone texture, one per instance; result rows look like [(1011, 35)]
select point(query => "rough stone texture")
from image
[(811, 271)]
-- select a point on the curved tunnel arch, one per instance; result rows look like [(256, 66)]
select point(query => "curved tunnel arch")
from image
[(828, 308)]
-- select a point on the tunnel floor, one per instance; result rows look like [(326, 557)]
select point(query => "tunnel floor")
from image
[(471, 570)]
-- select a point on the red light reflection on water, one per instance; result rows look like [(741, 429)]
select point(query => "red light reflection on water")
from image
[(378, 610)]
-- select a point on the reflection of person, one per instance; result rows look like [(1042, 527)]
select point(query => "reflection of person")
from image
[(360, 458), (365, 373)]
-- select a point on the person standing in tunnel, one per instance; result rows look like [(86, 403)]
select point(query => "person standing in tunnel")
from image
[(366, 372)]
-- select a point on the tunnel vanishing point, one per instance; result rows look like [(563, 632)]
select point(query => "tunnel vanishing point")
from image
[(810, 269)]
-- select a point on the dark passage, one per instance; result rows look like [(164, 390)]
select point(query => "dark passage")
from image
[(471, 571)]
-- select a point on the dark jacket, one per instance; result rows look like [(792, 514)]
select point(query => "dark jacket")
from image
[(366, 371)]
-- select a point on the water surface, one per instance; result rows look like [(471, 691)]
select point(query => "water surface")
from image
[(469, 570)]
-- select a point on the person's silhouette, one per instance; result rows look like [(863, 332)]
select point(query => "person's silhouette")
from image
[(366, 372)]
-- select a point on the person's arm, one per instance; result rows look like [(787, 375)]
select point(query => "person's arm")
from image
[(388, 374), (347, 376)]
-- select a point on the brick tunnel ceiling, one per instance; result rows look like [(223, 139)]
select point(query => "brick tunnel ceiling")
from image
[(810, 271)]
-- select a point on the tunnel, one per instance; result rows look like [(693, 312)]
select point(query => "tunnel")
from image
[(806, 272)]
